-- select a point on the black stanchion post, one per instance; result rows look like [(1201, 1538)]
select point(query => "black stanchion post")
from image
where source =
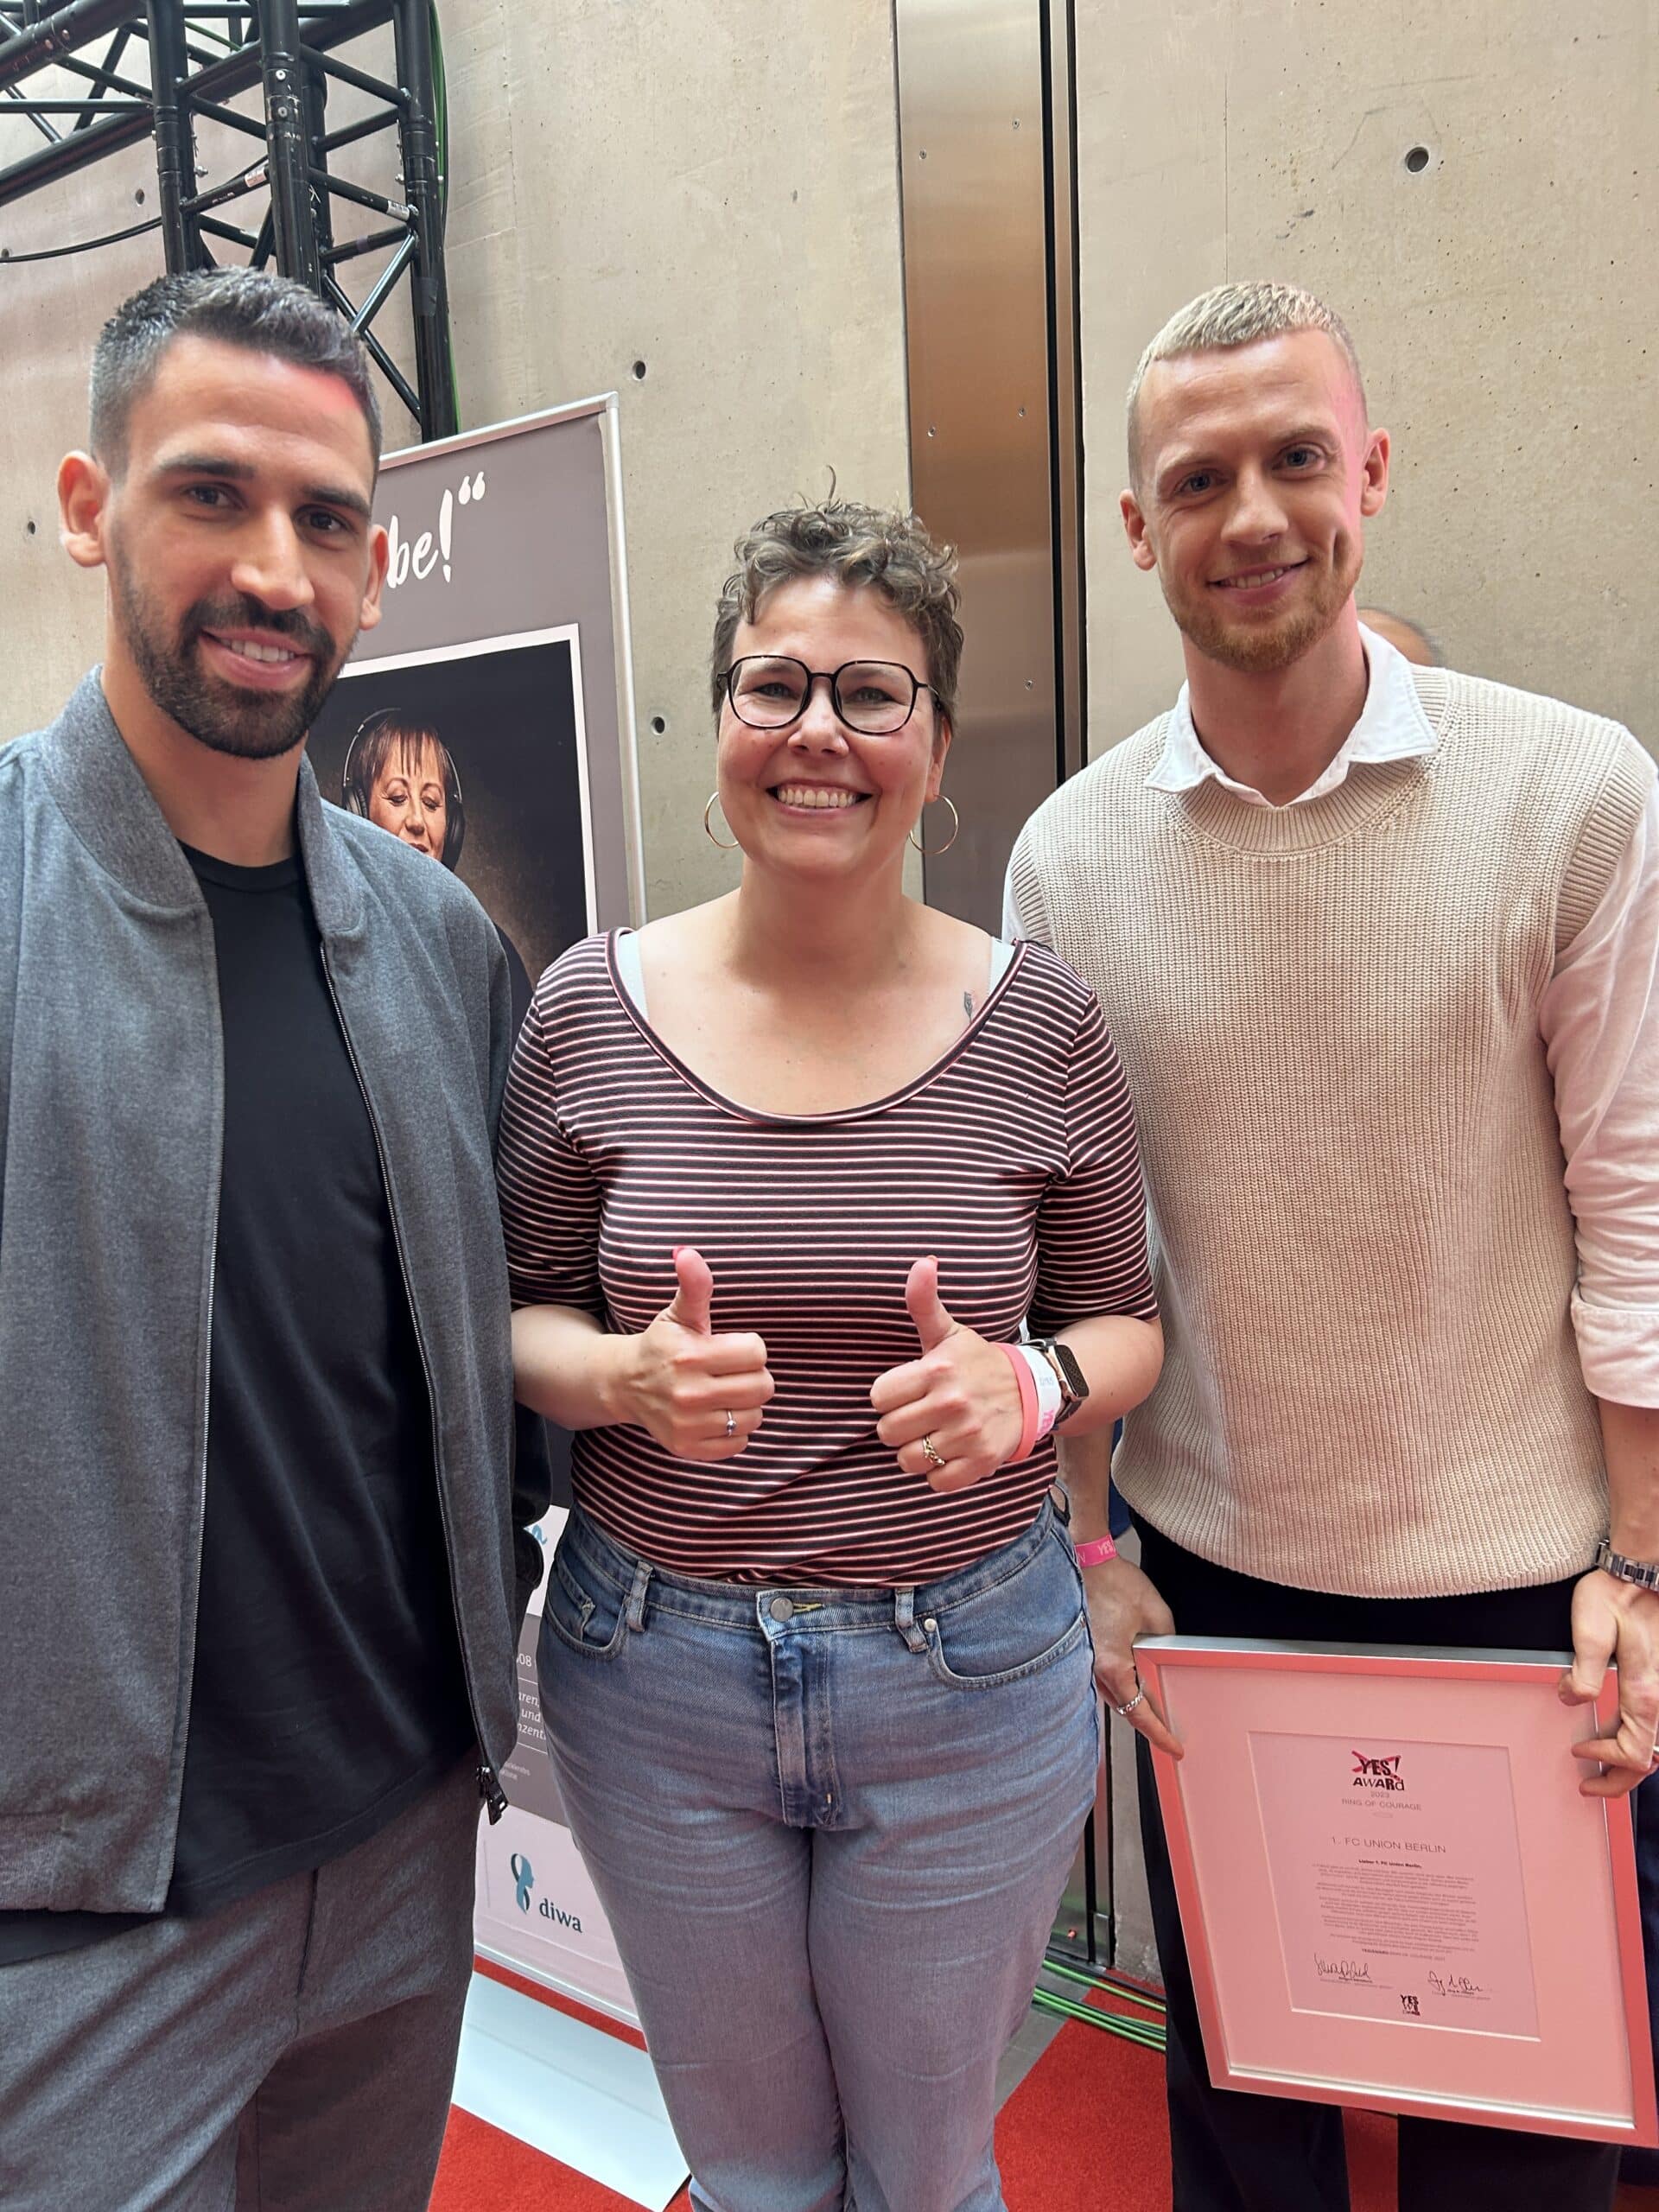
[(175, 160), (313, 91), (294, 215), (428, 287)]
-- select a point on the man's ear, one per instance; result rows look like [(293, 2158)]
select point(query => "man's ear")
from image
[(379, 551), (1134, 529), (1375, 488), (84, 490)]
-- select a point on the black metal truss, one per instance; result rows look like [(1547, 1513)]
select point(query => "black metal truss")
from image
[(289, 48)]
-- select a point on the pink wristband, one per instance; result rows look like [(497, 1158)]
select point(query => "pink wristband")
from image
[(1029, 1415), (1098, 1549)]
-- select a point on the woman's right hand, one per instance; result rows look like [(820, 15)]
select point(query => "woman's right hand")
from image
[(683, 1381), (1122, 1604)]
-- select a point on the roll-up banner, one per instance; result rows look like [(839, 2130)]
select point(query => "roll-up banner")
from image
[(488, 720)]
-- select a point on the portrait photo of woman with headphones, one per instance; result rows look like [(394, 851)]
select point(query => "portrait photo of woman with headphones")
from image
[(400, 774), (473, 755)]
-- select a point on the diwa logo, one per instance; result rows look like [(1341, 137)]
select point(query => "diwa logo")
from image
[(1378, 1774), (523, 1881)]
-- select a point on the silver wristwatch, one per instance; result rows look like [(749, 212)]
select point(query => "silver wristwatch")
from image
[(1644, 1572)]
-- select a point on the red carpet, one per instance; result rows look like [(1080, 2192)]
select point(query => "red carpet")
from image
[(1085, 2132)]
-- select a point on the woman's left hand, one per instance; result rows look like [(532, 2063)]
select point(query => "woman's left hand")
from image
[(961, 1395)]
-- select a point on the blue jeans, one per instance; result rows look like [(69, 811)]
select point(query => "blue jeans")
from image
[(830, 1828)]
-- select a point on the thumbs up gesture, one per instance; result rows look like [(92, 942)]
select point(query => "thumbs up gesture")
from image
[(961, 1398), (699, 1393)]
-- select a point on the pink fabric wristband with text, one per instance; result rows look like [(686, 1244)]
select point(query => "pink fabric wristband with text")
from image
[(1029, 1415), (1095, 1551)]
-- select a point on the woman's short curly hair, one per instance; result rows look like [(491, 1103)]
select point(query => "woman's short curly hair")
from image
[(881, 549)]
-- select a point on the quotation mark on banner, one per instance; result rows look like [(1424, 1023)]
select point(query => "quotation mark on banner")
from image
[(419, 559)]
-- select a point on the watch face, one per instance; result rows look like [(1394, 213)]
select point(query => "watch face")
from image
[(1066, 1360)]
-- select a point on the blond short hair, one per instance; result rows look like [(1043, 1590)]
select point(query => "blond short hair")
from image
[(1237, 314)]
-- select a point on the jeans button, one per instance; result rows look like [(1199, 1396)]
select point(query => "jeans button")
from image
[(781, 1610)]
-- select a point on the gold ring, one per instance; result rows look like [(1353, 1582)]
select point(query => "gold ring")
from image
[(932, 1452)]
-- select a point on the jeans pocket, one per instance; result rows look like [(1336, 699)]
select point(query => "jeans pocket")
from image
[(586, 1612), (1016, 1628)]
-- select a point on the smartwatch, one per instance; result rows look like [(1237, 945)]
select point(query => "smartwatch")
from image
[(1074, 1384)]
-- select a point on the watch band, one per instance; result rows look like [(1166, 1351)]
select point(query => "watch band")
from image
[(1644, 1572), (1074, 1384), (1051, 1399)]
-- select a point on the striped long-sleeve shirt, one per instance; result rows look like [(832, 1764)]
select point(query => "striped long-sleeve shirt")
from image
[(1013, 1159)]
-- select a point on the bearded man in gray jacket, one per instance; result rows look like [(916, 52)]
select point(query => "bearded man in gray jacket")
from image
[(261, 1563)]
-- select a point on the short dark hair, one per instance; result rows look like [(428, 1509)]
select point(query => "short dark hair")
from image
[(250, 308), (878, 549), (369, 754)]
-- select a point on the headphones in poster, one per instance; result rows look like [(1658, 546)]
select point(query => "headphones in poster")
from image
[(372, 745)]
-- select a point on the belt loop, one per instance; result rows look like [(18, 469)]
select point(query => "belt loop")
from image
[(637, 1596), (904, 1619)]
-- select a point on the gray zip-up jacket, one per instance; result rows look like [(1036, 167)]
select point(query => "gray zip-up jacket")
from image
[(111, 1129)]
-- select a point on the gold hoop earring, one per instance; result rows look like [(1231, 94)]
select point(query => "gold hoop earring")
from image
[(707, 828), (955, 827)]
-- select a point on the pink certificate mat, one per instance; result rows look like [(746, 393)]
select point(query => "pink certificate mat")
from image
[(1392, 1893)]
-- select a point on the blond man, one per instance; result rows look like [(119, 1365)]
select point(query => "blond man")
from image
[(1377, 945)]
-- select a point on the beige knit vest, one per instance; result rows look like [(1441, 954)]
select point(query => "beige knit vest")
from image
[(1328, 1013)]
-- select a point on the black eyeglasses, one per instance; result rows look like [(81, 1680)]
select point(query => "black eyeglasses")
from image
[(874, 697)]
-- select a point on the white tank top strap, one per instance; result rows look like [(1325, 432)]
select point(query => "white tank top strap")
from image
[(631, 968)]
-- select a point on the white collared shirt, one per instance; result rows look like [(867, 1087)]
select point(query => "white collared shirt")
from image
[(1598, 1018), (1392, 726)]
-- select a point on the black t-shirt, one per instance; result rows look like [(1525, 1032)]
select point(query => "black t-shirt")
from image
[(328, 1690)]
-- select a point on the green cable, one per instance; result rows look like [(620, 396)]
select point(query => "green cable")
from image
[(1137, 2031), (1108, 1985)]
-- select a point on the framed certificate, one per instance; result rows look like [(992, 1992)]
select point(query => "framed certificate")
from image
[(1392, 1893)]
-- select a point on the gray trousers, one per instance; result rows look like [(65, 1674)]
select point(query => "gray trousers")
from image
[(292, 2053)]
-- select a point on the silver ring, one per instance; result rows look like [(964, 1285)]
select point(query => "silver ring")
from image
[(731, 1424), (932, 1452), (1124, 1711)]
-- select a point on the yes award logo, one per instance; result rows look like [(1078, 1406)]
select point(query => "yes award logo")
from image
[(523, 1879), (1376, 1774)]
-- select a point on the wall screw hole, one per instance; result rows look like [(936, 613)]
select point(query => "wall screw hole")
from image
[(638, 372), (1417, 160), (659, 724)]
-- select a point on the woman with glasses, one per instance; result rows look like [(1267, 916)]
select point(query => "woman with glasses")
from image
[(785, 1179)]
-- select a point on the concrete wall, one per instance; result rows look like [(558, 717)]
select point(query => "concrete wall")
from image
[(711, 193), (1504, 300)]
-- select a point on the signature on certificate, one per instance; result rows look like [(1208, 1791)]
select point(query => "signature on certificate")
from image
[(1341, 1969), (1453, 1985)]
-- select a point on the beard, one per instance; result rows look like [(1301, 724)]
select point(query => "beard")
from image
[(248, 725), (1257, 648)]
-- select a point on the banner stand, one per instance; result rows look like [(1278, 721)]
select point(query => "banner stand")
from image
[(487, 720)]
